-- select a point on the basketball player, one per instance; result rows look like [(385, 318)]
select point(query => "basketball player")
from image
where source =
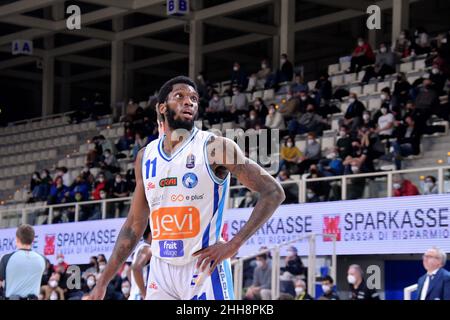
[(182, 179), (140, 267)]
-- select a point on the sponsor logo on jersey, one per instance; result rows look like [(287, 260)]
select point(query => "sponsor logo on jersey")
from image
[(175, 223), (153, 285), (190, 161), (195, 197), (156, 200), (168, 182), (190, 180), (150, 186), (171, 248), (223, 281), (176, 198)]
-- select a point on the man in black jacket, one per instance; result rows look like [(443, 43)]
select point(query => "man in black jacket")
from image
[(408, 141)]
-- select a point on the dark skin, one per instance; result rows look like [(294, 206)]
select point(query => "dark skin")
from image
[(183, 101), (143, 258)]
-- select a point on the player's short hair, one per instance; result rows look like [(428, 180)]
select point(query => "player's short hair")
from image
[(168, 87), (147, 231), (25, 234)]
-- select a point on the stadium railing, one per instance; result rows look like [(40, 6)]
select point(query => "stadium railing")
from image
[(238, 265)]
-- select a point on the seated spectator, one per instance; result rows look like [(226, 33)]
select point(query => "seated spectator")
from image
[(215, 110), (421, 41), (305, 101), (299, 85), (403, 187), (344, 143), (402, 47), (286, 72), (253, 121), (64, 174), (427, 100), (52, 291), (274, 120), (290, 189), (109, 162), (320, 189), (331, 165), (125, 290), (408, 141), (119, 189), (293, 263), (100, 184), (416, 114), (80, 186), (359, 161), (249, 201), (239, 104), (262, 280), (401, 92), (328, 289), (140, 141), (290, 155), (353, 115), (238, 76), (90, 283), (300, 291), (127, 139), (257, 81), (367, 121), (361, 56), (311, 196), (439, 74), (324, 88), (430, 186), (92, 269), (57, 191), (311, 154), (260, 107), (60, 265), (384, 64), (307, 122), (385, 126)]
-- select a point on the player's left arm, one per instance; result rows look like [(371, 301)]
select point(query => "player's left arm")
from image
[(225, 153), (143, 258)]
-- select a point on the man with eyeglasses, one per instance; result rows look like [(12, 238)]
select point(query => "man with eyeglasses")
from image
[(435, 284)]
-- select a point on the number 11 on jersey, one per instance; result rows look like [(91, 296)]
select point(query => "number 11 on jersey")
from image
[(149, 164)]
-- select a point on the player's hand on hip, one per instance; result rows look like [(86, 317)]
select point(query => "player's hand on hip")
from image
[(210, 257)]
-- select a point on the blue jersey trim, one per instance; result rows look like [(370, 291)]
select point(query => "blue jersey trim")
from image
[(165, 156)]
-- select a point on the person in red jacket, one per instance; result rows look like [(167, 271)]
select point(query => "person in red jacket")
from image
[(60, 265), (403, 187), (362, 56)]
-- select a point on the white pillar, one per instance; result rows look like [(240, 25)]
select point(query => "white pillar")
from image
[(117, 67), (276, 38), (128, 74), (195, 42), (48, 85), (400, 17), (287, 34)]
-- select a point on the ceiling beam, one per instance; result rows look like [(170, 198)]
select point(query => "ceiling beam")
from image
[(83, 60), (228, 8), (358, 5), (234, 42), (25, 75), (122, 4), (77, 47), (159, 72), (149, 29), (246, 26), (22, 6), (32, 22), (91, 33), (159, 44), (156, 60), (89, 75), (10, 63)]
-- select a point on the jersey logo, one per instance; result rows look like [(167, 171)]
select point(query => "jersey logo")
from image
[(190, 180), (168, 182), (190, 161), (170, 223), (150, 186), (171, 248)]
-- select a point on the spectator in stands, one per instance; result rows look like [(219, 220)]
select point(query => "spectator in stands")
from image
[(80, 186), (83, 111), (286, 72), (215, 110), (402, 47), (262, 280), (438, 76), (257, 81), (344, 142), (307, 122), (260, 107), (239, 104), (57, 191), (60, 265), (52, 291), (125, 290), (358, 287), (274, 120), (403, 187), (253, 121), (384, 64), (320, 189), (385, 126), (238, 76), (427, 100), (109, 162), (401, 91), (92, 269), (127, 139), (100, 184), (430, 186), (249, 201), (290, 155), (119, 187), (444, 47), (331, 165), (353, 115), (293, 262), (87, 176), (130, 179), (290, 189), (64, 174), (299, 85), (324, 88), (361, 56), (311, 154), (300, 291), (421, 42), (359, 161), (99, 107), (311, 196), (140, 141), (328, 289), (90, 283), (408, 141), (367, 121)]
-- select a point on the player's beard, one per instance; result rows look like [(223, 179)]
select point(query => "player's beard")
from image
[(177, 123)]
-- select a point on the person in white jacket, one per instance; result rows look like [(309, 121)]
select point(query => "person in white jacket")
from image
[(274, 120)]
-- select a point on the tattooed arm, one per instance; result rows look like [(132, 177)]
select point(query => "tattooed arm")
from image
[(129, 235), (226, 156)]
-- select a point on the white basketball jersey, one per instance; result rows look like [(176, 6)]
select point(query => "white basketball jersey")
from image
[(185, 197), (135, 294)]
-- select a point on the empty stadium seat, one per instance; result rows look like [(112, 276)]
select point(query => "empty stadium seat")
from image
[(419, 65), (337, 80), (333, 68), (269, 94), (406, 67), (301, 144), (327, 143), (369, 89)]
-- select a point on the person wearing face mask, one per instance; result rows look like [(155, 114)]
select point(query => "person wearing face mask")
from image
[(309, 121), (384, 64), (81, 187), (300, 291), (52, 291), (354, 112), (293, 262), (299, 85), (253, 120), (324, 87), (358, 287), (344, 142), (328, 289), (331, 165), (90, 283), (238, 76), (119, 188), (257, 81), (427, 99), (239, 104), (290, 189), (57, 192), (311, 154), (274, 120), (286, 71), (290, 155), (421, 42), (261, 109), (430, 185), (215, 109), (439, 74), (402, 47), (109, 162), (92, 269), (385, 126), (361, 56), (403, 187), (401, 91), (262, 280), (60, 263), (100, 184)]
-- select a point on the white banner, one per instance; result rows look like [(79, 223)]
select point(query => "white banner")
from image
[(370, 226)]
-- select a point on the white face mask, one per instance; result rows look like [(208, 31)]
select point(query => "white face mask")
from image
[(355, 169), (216, 98), (310, 195), (60, 260), (235, 92), (290, 253), (366, 117), (44, 175), (435, 71), (53, 283), (351, 100), (326, 288), (310, 141), (342, 134), (351, 279), (384, 111), (429, 185), (118, 180), (383, 49), (85, 170), (289, 144), (312, 96), (360, 43), (259, 263), (299, 290), (90, 282), (383, 97), (54, 296), (396, 186), (263, 66), (125, 290), (402, 36), (303, 98), (331, 156), (444, 40), (235, 68), (252, 117), (282, 61)]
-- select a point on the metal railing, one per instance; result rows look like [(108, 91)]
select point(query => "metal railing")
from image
[(238, 265), (408, 290)]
